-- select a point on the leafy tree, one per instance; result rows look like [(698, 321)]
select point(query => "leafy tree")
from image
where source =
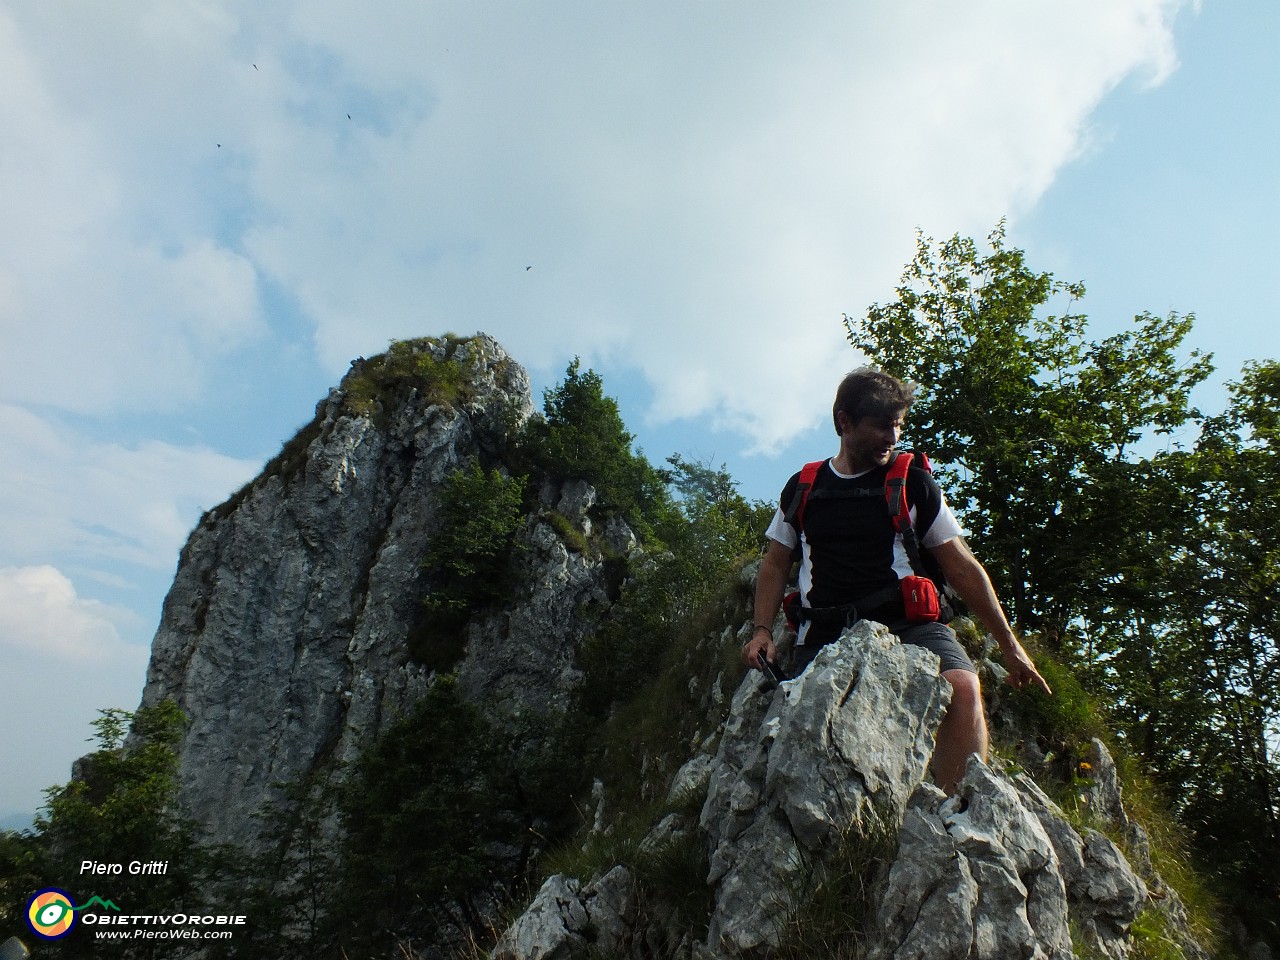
[(582, 437), (1222, 620), (1035, 424), (723, 523), (1155, 574), (120, 807)]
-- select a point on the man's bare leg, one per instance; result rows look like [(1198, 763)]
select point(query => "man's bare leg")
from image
[(963, 731)]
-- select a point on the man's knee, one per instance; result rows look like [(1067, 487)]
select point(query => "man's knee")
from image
[(966, 691)]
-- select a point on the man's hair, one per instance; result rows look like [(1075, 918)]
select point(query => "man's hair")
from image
[(867, 392)]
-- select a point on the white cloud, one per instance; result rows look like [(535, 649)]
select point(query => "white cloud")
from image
[(701, 190), (110, 506), (116, 285), (63, 659), (42, 616)]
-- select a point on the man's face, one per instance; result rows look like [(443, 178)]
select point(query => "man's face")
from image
[(870, 441)]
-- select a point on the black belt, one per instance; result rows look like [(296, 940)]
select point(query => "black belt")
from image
[(848, 613)]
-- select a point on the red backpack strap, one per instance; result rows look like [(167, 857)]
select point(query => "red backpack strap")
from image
[(795, 511), (895, 491)]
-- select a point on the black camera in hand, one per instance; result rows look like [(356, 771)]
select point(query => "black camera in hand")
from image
[(771, 670)]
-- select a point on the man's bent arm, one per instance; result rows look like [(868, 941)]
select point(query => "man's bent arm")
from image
[(969, 579), (771, 584)]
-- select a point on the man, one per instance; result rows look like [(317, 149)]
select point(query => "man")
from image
[(850, 554)]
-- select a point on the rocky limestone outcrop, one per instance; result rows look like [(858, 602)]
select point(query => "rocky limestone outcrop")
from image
[(283, 637), (833, 758), (997, 871), (566, 918), (833, 754)]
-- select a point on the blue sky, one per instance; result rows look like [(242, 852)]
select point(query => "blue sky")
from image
[(212, 206)]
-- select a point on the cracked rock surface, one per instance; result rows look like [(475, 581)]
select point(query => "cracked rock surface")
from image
[(838, 749), (566, 918), (997, 871), (994, 872)]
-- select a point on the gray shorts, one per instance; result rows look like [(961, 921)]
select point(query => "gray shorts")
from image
[(941, 640), (937, 638)]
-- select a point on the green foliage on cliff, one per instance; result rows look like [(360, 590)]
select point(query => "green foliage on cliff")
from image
[(440, 816), (423, 814), (581, 436), (705, 536), (469, 563), (376, 386)]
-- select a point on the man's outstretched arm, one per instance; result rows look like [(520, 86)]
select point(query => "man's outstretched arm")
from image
[(771, 584), (969, 579)]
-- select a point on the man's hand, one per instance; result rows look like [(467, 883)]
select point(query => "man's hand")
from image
[(760, 645), (969, 579), (1021, 670)]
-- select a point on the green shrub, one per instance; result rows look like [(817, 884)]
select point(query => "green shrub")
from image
[(480, 514), (376, 386), (582, 437), (468, 565)]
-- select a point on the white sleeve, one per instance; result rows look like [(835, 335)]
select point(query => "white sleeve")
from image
[(945, 527), (781, 531)]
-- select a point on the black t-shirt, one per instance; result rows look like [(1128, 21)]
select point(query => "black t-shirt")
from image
[(847, 546)]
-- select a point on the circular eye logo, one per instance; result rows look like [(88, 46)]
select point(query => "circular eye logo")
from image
[(51, 914)]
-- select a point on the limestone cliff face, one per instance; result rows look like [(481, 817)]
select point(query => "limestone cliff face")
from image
[(283, 636)]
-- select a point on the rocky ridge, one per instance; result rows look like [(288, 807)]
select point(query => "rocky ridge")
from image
[(837, 757), (284, 639)]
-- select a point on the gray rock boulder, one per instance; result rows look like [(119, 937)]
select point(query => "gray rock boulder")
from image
[(565, 918), (996, 871), (837, 750), (837, 756)]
